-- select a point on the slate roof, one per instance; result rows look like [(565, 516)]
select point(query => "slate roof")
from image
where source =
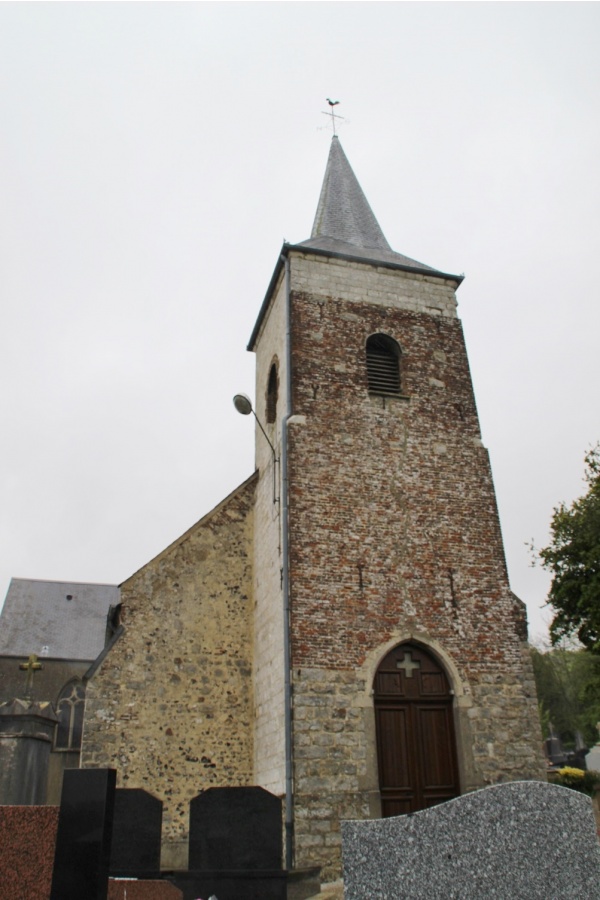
[(343, 211), (345, 223), (38, 615)]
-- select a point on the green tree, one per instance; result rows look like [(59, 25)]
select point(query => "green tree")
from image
[(568, 689), (573, 558)]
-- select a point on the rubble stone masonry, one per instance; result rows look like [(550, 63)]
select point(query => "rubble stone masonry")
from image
[(171, 706)]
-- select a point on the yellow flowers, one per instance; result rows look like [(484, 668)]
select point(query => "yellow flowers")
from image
[(572, 773), (576, 779)]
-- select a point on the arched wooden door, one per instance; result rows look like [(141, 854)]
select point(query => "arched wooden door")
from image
[(416, 748)]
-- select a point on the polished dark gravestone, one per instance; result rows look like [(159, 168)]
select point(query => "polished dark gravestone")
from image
[(137, 823), (235, 846), (84, 835), (235, 828)]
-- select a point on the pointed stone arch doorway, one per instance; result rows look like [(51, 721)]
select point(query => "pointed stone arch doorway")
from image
[(416, 745)]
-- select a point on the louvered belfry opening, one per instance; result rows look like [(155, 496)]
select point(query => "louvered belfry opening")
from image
[(383, 364)]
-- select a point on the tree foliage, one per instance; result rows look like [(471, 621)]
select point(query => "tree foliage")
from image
[(568, 689), (573, 558)]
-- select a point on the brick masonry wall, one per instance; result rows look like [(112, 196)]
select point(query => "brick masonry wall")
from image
[(393, 529), (171, 706)]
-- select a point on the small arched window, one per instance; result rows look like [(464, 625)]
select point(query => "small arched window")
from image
[(272, 389), (69, 709), (383, 364)]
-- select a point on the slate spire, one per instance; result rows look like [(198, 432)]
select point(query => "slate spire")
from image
[(345, 224), (345, 227), (343, 212)]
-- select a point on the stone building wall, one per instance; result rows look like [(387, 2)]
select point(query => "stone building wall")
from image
[(171, 705), (48, 683), (269, 743), (394, 535)]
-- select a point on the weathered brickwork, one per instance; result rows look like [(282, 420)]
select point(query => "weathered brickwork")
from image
[(394, 535), (171, 706), (392, 507)]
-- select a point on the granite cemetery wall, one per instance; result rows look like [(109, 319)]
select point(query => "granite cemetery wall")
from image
[(27, 839), (519, 841)]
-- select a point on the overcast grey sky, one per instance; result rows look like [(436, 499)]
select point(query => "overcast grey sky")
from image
[(154, 157)]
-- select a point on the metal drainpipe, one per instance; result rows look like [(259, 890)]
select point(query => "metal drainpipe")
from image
[(289, 770)]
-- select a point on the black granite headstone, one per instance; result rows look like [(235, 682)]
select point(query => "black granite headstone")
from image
[(136, 833), (84, 835), (235, 828)]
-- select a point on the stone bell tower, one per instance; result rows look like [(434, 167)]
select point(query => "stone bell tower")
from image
[(391, 669)]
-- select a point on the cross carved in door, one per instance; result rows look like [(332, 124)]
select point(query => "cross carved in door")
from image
[(408, 665)]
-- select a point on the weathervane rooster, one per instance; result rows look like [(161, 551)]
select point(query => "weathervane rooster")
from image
[(331, 113)]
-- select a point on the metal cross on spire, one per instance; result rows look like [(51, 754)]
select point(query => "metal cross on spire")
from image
[(331, 113)]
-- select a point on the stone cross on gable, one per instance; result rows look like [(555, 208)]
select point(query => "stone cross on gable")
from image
[(31, 667), (407, 665)]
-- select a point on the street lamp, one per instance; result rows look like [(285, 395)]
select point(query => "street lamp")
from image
[(243, 404)]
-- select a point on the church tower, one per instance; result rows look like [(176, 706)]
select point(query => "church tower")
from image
[(390, 663)]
